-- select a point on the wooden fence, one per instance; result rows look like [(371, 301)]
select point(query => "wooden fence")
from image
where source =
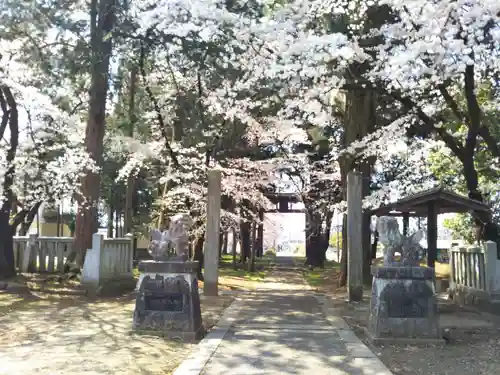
[(108, 259), (48, 254), (475, 269)]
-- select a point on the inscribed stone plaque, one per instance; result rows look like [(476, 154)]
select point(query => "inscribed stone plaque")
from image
[(406, 307), (164, 302)]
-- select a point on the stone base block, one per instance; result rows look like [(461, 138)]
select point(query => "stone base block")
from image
[(402, 340), (168, 300), (404, 305), (188, 337)]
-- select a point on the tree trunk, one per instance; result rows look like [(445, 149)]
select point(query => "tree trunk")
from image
[(260, 234), (111, 211), (234, 244), (9, 117), (315, 242), (225, 243), (244, 241), (253, 249), (7, 264), (102, 18), (198, 254), (131, 180), (244, 233), (117, 216), (221, 242), (489, 231)]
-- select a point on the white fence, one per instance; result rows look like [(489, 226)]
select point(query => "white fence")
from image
[(48, 254), (108, 259), (41, 254), (475, 269)]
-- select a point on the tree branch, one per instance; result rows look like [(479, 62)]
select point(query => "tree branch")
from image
[(429, 123), (459, 114), (156, 106), (490, 141), (5, 115), (21, 215)]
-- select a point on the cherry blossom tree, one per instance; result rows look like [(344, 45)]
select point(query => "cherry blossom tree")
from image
[(43, 156)]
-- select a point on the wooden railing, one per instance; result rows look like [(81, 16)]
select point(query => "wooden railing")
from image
[(475, 268), (108, 259), (41, 254), (48, 254)]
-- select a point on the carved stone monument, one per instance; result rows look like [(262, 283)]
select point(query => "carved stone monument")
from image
[(403, 303), (168, 300)]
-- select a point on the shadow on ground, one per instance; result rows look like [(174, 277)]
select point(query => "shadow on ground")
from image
[(288, 333), (48, 334)]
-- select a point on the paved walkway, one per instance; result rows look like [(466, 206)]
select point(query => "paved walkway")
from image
[(284, 328)]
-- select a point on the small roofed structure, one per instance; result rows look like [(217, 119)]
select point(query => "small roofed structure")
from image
[(430, 203), (283, 201)]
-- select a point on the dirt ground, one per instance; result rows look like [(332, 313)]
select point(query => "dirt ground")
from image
[(472, 344), (63, 332)]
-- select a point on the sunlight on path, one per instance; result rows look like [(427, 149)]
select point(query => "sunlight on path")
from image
[(77, 337), (82, 339)]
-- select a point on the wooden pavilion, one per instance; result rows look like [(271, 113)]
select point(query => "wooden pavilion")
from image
[(429, 204)]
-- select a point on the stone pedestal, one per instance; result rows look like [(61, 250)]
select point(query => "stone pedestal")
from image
[(403, 306), (168, 301)]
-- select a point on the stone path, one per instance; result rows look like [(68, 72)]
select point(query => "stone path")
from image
[(284, 328)]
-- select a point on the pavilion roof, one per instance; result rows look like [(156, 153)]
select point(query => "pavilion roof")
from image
[(417, 204)]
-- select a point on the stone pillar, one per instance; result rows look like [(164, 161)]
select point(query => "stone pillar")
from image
[(211, 254), (490, 263), (406, 223), (354, 237)]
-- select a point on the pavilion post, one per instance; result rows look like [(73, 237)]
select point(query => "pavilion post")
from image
[(283, 205), (432, 233), (406, 223)]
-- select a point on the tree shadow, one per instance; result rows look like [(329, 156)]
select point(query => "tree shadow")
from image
[(50, 333), (288, 334)]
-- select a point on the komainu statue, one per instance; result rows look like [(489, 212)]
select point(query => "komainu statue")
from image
[(177, 236), (394, 242)]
